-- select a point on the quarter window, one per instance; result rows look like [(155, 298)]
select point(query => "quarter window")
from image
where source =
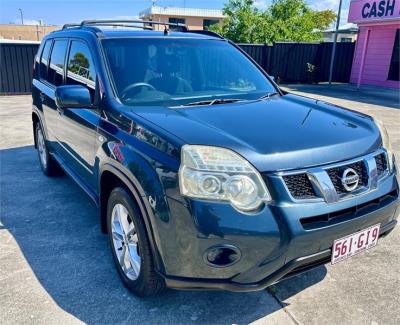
[(80, 70), (56, 68), (44, 60)]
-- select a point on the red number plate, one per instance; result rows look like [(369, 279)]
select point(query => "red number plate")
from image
[(354, 244)]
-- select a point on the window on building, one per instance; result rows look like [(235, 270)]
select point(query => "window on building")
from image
[(56, 68), (394, 70), (346, 40), (209, 22), (80, 69), (177, 21), (44, 60)]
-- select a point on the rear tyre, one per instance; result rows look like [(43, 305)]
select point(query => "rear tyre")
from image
[(130, 245), (49, 166)]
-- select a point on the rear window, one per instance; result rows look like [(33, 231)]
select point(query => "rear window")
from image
[(56, 68)]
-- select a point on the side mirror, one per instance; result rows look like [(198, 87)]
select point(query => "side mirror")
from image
[(272, 78), (73, 96)]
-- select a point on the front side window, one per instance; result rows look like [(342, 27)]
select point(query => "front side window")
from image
[(80, 69), (171, 72), (56, 68)]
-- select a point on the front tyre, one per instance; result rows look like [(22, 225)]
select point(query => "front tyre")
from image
[(49, 166), (130, 245)]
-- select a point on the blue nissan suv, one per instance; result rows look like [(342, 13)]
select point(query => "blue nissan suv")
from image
[(206, 175)]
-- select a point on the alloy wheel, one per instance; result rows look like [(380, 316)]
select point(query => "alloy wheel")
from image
[(42, 148), (125, 241)]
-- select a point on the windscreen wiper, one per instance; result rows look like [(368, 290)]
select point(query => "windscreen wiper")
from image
[(269, 95), (213, 102)]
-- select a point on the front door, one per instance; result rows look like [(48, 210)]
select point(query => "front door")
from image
[(77, 127)]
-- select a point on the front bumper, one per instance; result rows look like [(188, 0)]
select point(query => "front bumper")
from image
[(294, 267), (276, 242)]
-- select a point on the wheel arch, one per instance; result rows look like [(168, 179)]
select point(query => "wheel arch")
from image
[(35, 120), (112, 177)]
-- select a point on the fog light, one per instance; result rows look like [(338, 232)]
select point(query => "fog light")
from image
[(222, 255)]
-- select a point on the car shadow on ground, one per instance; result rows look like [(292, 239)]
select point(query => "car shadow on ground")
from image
[(57, 229), (365, 94)]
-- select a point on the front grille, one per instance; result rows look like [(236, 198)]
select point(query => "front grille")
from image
[(299, 186), (381, 164), (356, 211), (336, 175)]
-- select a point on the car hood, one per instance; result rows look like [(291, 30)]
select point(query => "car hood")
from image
[(280, 133)]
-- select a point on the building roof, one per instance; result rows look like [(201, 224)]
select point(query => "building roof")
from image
[(346, 28), (13, 41), (186, 12)]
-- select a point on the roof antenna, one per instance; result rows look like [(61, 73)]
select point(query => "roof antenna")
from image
[(166, 30)]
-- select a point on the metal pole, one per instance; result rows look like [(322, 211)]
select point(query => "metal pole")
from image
[(37, 32), (334, 43), (22, 16)]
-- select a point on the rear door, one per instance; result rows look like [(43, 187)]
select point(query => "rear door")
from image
[(77, 127), (41, 89), (52, 76)]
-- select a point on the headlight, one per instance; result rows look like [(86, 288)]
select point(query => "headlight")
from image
[(386, 143), (215, 173)]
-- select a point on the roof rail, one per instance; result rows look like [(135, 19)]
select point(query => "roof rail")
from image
[(65, 26), (133, 21), (145, 24)]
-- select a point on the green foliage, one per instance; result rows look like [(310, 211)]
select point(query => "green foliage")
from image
[(283, 20), (80, 65)]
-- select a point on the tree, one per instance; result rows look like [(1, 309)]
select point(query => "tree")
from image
[(283, 20), (242, 18)]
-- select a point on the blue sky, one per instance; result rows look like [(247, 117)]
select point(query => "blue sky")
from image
[(56, 12)]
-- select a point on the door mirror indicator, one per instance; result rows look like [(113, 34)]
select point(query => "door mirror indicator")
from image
[(73, 96)]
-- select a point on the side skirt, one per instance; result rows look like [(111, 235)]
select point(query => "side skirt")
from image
[(78, 180)]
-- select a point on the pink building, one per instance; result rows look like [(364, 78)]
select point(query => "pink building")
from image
[(377, 54)]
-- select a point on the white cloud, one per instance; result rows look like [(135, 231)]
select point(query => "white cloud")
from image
[(324, 4), (262, 4), (27, 21)]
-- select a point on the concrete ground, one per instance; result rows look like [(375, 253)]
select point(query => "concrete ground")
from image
[(56, 267)]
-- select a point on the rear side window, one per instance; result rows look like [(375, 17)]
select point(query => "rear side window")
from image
[(80, 69), (44, 60), (56, 68)]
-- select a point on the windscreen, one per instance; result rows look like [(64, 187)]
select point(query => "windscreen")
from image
[(178, 71)]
